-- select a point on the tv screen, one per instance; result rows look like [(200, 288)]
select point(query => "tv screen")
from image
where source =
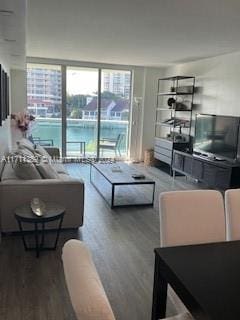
[(216, 135)]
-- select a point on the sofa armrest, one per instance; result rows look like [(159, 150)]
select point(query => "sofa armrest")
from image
[(54, 152), (87, 294), (70, 194)]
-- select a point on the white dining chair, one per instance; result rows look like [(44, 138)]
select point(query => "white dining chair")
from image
[(232, 209), (86, 292), (190, 217)]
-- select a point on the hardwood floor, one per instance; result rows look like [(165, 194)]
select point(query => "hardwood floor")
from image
[(121, 242)]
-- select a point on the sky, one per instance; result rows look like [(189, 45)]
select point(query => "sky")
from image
[(79, 80), (82, 81)]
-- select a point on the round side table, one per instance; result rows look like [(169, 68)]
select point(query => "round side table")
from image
[(24, 214)]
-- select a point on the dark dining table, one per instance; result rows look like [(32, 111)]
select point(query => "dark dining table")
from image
[(206, 277)]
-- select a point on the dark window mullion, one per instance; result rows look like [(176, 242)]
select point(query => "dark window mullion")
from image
[(99, 111)]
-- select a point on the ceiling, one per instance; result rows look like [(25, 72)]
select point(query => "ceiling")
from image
[(132, 32), (13, 32)]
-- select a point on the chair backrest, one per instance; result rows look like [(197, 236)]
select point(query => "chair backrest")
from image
[(232, 209), (86, 292), (191, 217)]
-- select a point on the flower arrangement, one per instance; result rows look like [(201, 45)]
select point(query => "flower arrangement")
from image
[(23, 120)]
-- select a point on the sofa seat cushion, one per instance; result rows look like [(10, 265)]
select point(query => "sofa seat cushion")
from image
[(59, 167), (65, 177)]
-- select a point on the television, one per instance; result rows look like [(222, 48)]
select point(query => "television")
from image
[(216, 136)]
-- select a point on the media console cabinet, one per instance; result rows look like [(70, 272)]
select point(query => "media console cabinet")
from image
[(214, 173)]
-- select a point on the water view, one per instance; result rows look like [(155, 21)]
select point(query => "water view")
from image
[(82, 130)]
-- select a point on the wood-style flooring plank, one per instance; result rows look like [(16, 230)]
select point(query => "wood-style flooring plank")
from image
[(121, 242)]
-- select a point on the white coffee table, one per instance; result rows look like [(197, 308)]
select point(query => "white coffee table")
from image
[(117, 186)]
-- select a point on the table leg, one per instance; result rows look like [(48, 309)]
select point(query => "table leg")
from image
[(22, 234), (43, 235), (113, 193), (153, 194), (58, 232), (159, 293), (36, 239), (90, 172)]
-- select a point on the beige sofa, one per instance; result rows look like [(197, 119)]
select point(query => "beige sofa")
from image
[(65, 190)]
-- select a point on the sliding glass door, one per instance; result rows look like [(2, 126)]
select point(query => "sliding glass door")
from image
[(91, 118), (115, 113), (82, 109), (44, 102)]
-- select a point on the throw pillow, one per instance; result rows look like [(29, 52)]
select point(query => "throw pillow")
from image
[(47, 171), (27, 155), (25, 143), (25, 170), (42, 152)]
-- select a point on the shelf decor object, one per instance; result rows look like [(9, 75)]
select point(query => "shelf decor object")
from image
[(173, 116)]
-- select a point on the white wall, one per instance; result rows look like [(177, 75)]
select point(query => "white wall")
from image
[(137, 113), (217, 86), (150, 99), (217, 82), (144, 109), (9, 134), (18, 90)]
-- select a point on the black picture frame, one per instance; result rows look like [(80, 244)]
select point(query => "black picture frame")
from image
[(1, 100), (4, 95), (7, 95)]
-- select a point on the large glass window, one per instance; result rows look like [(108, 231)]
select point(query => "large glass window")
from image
[(82, 88), (115, 113), (93, 124), (44, 101)]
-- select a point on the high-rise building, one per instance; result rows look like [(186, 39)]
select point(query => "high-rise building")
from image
[(44, 91), (117, 83)]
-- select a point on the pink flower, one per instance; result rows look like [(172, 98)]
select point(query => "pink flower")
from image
[(22, 120)]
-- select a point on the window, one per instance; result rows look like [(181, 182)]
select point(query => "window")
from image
[(40, 98), (44, 100)]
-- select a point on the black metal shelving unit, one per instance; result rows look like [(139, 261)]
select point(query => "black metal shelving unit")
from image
[(173, 116)]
